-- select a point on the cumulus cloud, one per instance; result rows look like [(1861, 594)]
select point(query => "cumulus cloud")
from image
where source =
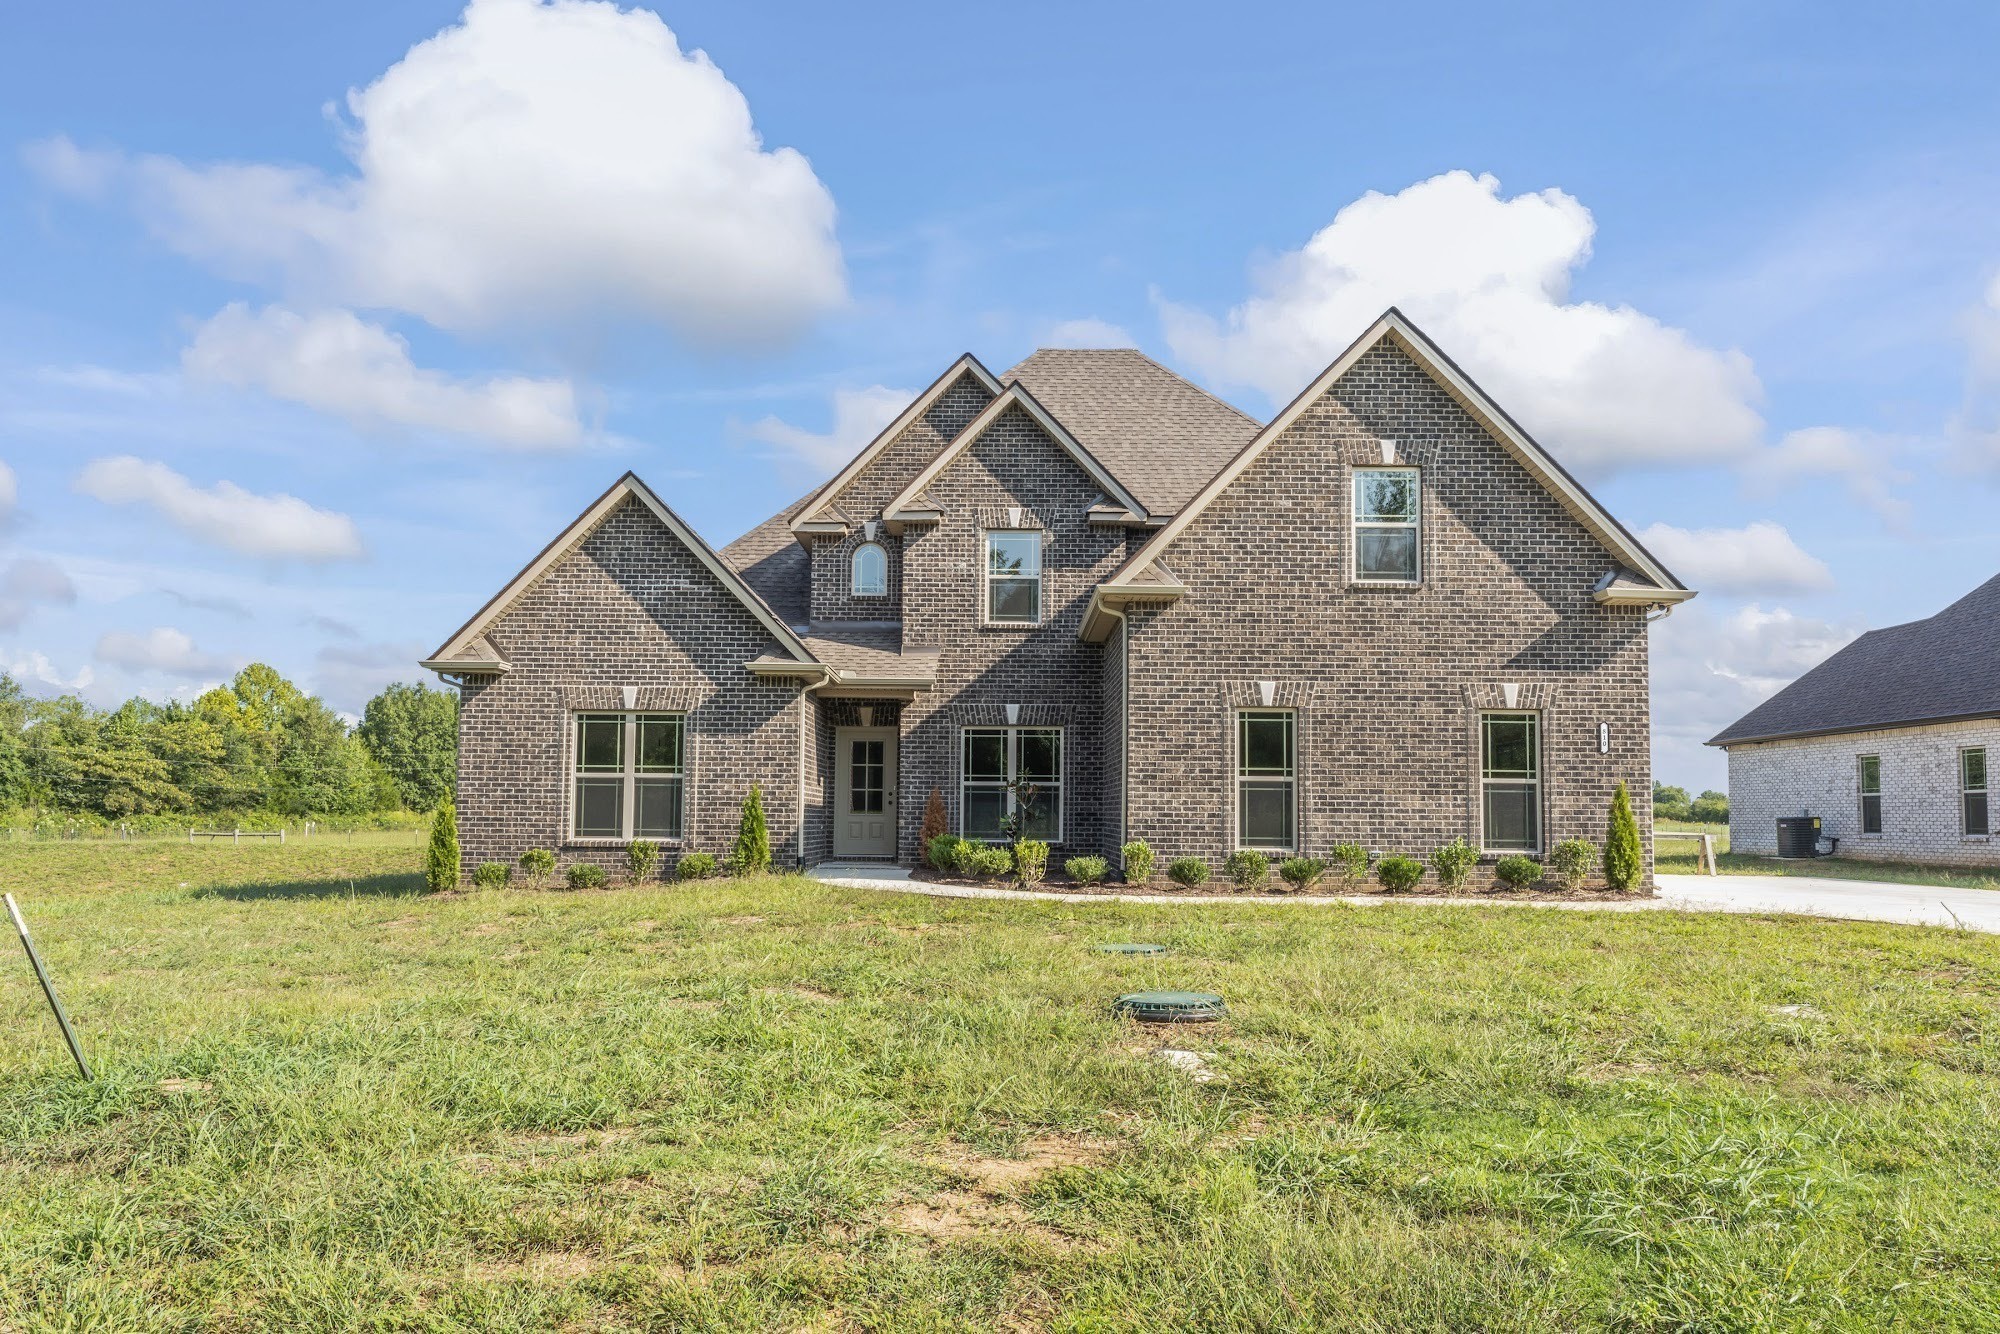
[(1088, 333), (35, 668), (1758, 558), (336, 362), (1863, 462), (161, 649), (347, 676), (1606, 387), (225, 514), (858, 417), (540, 161), (30, 582)]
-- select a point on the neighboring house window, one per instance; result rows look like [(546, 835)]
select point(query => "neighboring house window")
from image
[(1871, 794), (1266, 780), (870, 571), (1510, 780), (1972, 788), (1009, 770), (629, 770), (1014, 578), (1387, 525)]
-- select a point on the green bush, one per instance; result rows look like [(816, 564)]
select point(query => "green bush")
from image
[(1351, 860), (1710, 807), (941, 853), (752, 854), (641, 856), (441, 862), (1301, 873), (540, 864), (1248, 868), (1453, 863), (695, 866), (1087, 870), (1622, 858), (1188, 872), (1137, 858), (1398, 874), (1670, 803), (1031, 862), (988, 862), (585, 875), (1518, 872), (1573, 860), (490, 875)]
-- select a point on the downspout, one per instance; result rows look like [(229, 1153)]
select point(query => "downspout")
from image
[(1124, 728), (805, 716)]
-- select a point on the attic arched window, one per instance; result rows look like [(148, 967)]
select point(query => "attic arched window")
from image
[(870, 571)]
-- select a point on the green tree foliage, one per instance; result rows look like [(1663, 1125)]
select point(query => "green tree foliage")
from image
[(1622, 859), (753, 837), (441, 861), (412, 733), (1670, 803), (1710, 807)]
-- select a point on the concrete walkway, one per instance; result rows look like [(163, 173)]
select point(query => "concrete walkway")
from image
[(1810, 896)]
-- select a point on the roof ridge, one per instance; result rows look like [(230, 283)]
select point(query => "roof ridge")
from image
[(1209, 394)]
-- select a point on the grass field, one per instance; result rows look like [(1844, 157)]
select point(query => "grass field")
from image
[(329, 1101), (1680, 856)]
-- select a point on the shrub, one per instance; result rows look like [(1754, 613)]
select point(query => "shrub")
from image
[(585, 875), (1622, 858), (752, 854), (935, 825), (1518, 872), (695, 866), (1248, 868), (1453, 863), (539, 863), (1573, 860), (1031, 862), (1087, 870), (1137, 857), (1188, 872), (641, 856), (941, 851), (1399, 873), (1351, 860), (441, 862), (1301, 873), (490, 875), (987, 861)]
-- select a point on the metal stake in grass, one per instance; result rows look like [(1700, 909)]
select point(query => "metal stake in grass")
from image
[(48, 987)]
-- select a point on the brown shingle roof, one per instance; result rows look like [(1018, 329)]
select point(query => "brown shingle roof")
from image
[(772, 562)]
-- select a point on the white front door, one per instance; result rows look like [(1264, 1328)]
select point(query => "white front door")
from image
[(864, 814)]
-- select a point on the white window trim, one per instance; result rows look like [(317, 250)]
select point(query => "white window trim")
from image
[(986, 575), (628, 804), (854, 588), (1355, 525), (1986, 791), (1861, 795), (1062, 773), (1236, 806), (1541, 814)]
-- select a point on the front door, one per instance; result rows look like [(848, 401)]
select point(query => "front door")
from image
[(864, 814)]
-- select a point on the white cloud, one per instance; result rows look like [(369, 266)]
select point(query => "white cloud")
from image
[(1974, 430), (36, 669), (347, 676), (86, 173), (1088, 333), (1758, 558), (30, 582), (161, 649), (10, 492), (1605, 387), (225, 514), (536, 163), (336, 362), (858, 417), (1864, 462)]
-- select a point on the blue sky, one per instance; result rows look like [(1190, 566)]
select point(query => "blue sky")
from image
[(320, 320)]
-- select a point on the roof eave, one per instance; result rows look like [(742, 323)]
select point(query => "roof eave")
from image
[(1107, 604), (1723, 741), (1641, 597)]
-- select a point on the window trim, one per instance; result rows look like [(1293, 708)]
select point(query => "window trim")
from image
[(986, 575), (1355, 524), (1012, 731), (1966, 793), (1533, 783), (854, 588), (1863, 793), (628, 775), (1290, 779)]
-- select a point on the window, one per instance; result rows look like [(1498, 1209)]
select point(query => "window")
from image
[(1009, 771), (1510, 781), (1871, 794), (1266, 780), (1014, 578), (870, 571), (628, 775), (867, 776), (1387, 525), (1972, 789)]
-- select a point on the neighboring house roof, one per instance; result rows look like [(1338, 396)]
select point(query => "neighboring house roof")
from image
[(1935, 670), (1159, 435)]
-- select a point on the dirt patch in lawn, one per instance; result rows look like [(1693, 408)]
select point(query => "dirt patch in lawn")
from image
[(1044, 1153), (535, 1267)]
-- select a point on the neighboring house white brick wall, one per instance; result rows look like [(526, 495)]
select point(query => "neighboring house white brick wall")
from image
[(1922, 814)]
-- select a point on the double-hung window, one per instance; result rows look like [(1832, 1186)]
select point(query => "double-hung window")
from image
[(869, 571), (1388, 523), (629, 774), (1014, 578), (1972, 789), (1871, 794), (1510, 782), (1010, 771), (1267, 780)]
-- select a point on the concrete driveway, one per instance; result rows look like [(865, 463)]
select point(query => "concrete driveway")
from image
[(1860, 900)]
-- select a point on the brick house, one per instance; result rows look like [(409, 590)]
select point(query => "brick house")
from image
[(1886, 742), (1088, 593)]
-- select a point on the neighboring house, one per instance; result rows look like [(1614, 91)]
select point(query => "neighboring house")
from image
[(1091, 594), (1887, 742)]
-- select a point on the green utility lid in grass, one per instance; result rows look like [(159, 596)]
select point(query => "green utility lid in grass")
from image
[(1131, 947), (1171, 1007)]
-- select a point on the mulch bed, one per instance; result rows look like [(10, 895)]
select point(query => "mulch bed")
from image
[(1326, 888)]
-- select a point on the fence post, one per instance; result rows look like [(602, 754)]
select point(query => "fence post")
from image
[(281, 836), (237, 837), (48, 987)]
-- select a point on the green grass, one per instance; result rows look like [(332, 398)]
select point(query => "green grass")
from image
[(1681, 856), (775, 1104)]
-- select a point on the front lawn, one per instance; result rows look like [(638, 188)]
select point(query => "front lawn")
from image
[(1681, 856), (330, 1101)]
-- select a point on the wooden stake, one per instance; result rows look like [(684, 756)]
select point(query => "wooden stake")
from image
[(48, 987)]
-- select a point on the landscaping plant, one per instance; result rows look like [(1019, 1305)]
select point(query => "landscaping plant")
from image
[(641, 856), (1398, 873), (1622, 857), (490, 875), (1518, 872), (941, 852), (695, 866), (1248, 868), (540, 864), (441, 862), (1087, 871), (989, 863), (1453, 863), (1137, 857), (1573, 860), (1352, 861), (1188, 872), (936, 824), (1301, 873), (752, 854), (1031, 862), (585, 875)]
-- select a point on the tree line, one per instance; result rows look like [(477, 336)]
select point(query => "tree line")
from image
[(259, 745), (1673, 803)]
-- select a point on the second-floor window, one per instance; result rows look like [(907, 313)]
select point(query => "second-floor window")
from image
[(869, 571), (1014, 578), (1388, 526), (1871, 794), (629, 771), (1972, 789)]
